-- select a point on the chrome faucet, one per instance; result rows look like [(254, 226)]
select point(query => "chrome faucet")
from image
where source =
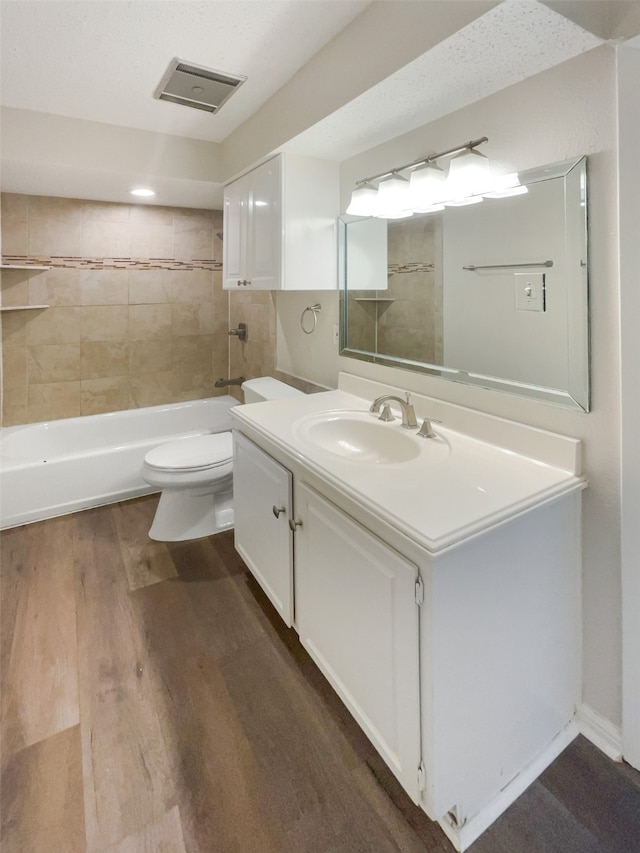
[(408, 414)]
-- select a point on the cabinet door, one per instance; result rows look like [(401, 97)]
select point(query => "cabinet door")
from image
[(357, 616), (265, 226), (234, 247), (262, 497)]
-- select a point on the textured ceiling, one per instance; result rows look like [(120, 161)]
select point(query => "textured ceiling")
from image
[(101, 60), (509, 43)]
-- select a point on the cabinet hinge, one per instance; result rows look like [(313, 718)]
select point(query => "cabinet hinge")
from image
[(419, 591), (422, 777)]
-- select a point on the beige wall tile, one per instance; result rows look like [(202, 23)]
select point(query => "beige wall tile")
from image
[(14, 406), (53, 363), (55, 287), (149, 356), (190, 385), (145, 336), (105, 211), (104, 395), (104, 323), (193, 235), (101, 359), (15, 232), (14, 367), (55, 237), (192, 286), (151, 214), (15, 287), (151, 241), (151, 389), (14, 207), (193, 353), (53, 401), (104, 287), (14, 326), (148, 286), (53, 326), (149, 321), (54, 208), (192, 318), (106, 240)]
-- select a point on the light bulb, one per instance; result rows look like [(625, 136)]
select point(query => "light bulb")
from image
[(393, 197), (427, 185), (468, 174), (363, 200)]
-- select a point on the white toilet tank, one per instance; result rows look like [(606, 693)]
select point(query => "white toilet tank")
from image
[(266, 388)]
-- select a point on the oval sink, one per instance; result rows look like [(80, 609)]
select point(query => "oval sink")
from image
[(361, 437)]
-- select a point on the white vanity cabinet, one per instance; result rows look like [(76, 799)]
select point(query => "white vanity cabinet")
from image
[(439, 596), (280, 226), (357, 614), (263, 506)]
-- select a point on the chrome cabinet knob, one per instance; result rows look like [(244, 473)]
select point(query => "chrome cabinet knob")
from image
[(276, 510), (293, 524)]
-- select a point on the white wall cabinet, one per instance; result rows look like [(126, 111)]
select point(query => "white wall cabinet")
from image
[(263, 506), (280, 226)]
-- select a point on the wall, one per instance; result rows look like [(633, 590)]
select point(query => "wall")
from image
[(629, 188), (138, 316), (561, 113)]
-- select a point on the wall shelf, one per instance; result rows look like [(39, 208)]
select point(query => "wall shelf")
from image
[(374, 299), (22, 307), (35, 267)]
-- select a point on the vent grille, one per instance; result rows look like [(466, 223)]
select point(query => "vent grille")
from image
[(197, 86)]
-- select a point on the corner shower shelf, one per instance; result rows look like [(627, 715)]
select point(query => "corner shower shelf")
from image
[(21, 307), (36, 267), (374, 299)]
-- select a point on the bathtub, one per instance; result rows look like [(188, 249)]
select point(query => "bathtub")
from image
[(56, 467)]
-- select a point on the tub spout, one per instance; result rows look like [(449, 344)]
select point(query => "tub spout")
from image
[(222, 383)]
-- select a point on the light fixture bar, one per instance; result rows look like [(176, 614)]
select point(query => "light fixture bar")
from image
[(469, 146)]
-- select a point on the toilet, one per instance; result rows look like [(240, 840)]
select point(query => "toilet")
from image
[(195, 475)]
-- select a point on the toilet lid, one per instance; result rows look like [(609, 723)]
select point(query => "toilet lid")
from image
[(192, 454)]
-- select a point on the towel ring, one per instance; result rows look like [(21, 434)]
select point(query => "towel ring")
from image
[(314, 311)]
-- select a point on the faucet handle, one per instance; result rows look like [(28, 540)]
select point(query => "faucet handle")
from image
[(386, 414), (426, 430)]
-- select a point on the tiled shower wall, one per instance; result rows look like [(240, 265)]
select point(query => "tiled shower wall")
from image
[(137, 312)]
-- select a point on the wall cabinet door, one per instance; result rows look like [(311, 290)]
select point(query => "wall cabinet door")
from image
[(252, 245), (262, 495), (234, 246), (357, 615), (279, 226)]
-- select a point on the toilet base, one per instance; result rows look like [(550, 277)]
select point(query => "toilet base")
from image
[(185, 515)]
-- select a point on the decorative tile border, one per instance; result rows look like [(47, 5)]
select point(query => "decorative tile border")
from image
[(417, 266), (74, 263)]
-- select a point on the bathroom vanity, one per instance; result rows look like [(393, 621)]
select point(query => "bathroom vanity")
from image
[(434, 581)]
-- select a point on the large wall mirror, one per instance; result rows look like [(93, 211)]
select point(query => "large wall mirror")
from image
[(491, 294)]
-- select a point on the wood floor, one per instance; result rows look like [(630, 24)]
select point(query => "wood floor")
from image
[(153, 702)]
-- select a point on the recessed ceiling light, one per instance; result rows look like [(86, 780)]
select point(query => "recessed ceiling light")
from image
[(143, 192)]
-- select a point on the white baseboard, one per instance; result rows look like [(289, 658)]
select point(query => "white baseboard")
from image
[(462, 837), (600, 731)]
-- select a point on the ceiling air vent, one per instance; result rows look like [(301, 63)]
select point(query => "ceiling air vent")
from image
[(196, 86)]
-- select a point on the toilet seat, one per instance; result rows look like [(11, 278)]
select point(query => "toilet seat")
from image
[(198, 453)]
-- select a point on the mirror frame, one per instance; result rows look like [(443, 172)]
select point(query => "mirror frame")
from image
[(576, 396)]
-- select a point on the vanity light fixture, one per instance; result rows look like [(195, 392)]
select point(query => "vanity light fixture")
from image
[(391, 195), (363, 200), (142, 192), (468, 175), (393, 200), (505, 186)]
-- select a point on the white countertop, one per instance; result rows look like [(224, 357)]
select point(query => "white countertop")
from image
[(457, 485)]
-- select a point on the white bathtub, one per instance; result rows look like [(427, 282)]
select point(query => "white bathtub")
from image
[(56, 467)]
